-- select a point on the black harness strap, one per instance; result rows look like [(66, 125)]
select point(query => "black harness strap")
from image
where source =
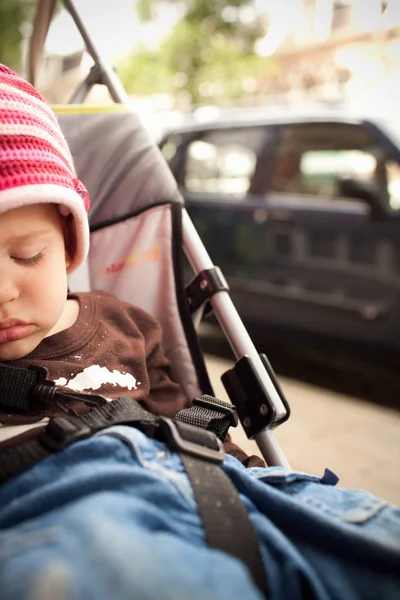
[(210, 413), (61, 432), (15, 387), (225, 519)]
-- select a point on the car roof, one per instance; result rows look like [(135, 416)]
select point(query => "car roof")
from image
[(212, 117)]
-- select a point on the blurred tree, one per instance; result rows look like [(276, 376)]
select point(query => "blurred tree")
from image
[(208, 54), (13, 13), (232, 18), (145, 72)]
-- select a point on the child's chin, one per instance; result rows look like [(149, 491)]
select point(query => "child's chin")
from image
[(18, 349)]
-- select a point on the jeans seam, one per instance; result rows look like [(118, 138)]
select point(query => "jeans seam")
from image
[(154, 466)]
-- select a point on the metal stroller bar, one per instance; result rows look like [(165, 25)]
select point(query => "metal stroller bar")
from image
[(108, 75), (224, 309), (237, 337)]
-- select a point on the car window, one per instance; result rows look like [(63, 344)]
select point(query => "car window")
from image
[(393, 176), (223, 161), (312, 159), (170, 147)]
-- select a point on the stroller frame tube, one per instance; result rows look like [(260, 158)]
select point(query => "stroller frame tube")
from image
[(237, 336), (109, 77), (224, 309)]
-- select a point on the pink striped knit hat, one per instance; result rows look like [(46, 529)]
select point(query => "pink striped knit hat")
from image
[(36, 165)]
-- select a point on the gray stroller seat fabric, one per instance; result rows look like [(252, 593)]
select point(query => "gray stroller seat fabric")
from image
[(119, 164), (133, 195)]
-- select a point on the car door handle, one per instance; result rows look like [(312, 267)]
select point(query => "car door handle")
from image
[(260, 215), (281, 215)]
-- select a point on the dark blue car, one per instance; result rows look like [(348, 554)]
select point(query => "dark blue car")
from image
[(302, 215)]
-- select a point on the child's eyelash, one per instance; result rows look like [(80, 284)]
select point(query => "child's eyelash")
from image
[(33, 260)]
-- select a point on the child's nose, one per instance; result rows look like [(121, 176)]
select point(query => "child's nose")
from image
[(8, 288)]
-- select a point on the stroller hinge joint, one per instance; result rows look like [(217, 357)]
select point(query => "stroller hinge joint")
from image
[(255, 408), (206, 283)]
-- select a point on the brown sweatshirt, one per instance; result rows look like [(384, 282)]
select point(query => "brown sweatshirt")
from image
[(113, 349)]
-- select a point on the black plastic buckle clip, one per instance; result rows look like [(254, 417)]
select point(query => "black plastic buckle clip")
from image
[(46, 391), (62, 432), (192, 440), (226, 408)]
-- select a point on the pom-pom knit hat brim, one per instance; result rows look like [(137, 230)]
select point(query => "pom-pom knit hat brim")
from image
[(36, 166)]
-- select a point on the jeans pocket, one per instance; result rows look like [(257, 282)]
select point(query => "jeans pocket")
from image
[(290, 482), (351, 506), (319, 494)]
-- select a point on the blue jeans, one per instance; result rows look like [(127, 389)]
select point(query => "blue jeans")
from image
[(114, 517)]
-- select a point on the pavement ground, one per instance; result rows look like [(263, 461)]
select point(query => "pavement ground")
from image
[(357, 440)]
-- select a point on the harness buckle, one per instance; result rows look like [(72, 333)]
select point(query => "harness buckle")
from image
[(192, 440), (61, 432), (228, 409)]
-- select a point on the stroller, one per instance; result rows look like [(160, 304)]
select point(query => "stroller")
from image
[(139, 227)]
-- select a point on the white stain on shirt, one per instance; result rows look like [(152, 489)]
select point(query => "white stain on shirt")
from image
[(92, 378)]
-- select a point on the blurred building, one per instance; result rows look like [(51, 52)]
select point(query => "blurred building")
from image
[(58, 76), (64, 64), (339, 51)]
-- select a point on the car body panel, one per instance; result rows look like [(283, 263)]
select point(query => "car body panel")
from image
[(307, 262)]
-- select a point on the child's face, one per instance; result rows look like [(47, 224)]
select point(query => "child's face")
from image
[(33, 277)]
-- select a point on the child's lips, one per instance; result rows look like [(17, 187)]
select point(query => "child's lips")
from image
[(12, 330)]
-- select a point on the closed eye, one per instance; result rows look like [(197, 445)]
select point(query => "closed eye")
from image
[(32, 260)]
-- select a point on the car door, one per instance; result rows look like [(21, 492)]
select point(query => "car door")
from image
[(218, 176), (333, 258)]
